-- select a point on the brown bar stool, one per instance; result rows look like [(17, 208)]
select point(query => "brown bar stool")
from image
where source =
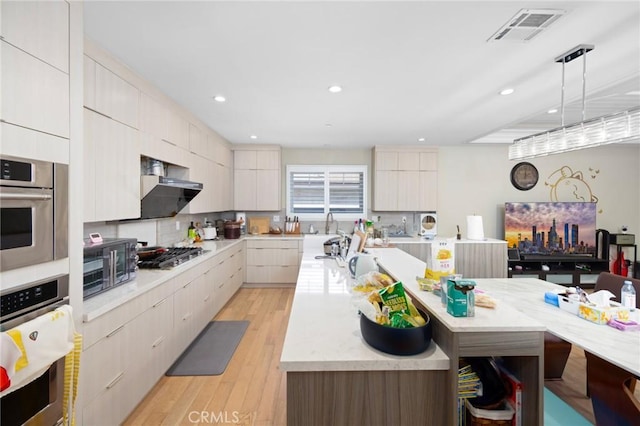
[(611, 390), (556, 354)]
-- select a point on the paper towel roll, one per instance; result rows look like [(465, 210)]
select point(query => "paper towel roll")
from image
[(475, 230)]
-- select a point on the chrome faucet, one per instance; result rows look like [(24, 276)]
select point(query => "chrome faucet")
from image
[(326, 223)]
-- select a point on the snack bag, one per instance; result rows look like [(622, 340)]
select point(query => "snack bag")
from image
[(401, 311), (442, 261)]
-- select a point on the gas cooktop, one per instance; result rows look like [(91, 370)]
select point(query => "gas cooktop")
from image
[(171, 257)]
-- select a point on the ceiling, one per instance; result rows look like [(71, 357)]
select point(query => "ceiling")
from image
[(409, 70)]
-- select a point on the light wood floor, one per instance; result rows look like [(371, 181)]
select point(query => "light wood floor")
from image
[(252, 391)]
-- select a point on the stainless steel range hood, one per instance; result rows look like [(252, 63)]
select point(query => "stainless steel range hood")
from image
[(164, 196)]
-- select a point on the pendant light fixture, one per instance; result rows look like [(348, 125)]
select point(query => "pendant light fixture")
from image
[(620, 127)]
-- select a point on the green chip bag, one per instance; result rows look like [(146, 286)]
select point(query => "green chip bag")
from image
[(393, 296)]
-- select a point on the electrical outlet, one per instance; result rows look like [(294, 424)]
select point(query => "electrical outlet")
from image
[(177, 225), (276, 218)]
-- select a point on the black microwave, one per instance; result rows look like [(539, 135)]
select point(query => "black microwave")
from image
[(108, 264)]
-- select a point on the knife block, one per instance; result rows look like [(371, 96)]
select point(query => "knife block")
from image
[(295, 230)]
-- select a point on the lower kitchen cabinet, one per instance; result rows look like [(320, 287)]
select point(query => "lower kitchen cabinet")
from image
[(273, 261), (129, 348)]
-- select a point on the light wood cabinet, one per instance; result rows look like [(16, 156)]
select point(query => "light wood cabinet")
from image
[(405, 179), (112, 169), (257, 179), (273, 261), (124, 355), (40, 29), (35, 95), (163, 122), (202, 170), (198, 143), (116, 98), (126, 350)]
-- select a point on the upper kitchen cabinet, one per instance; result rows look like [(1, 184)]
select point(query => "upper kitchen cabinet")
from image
[(163, 121), (198, 141), (39, 28), (110, 95), (405, 179), (35, 94), (112, 169), (257, 177)]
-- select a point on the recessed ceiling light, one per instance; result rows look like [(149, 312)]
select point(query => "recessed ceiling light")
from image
[(507, 91), (552, 111), (219, 98), (335, 89), (328, 124), (421, 139), (253, 137)]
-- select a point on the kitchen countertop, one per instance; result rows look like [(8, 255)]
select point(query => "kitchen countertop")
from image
[(147, 279), (324, 327), (406, 268)]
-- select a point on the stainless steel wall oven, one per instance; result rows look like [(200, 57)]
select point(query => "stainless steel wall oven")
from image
[(33, 212), (40, 401)]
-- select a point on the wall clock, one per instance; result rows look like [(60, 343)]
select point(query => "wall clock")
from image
[(524, 176)]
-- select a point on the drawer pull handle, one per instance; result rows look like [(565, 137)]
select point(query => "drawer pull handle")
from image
[(159, 303), (158, 342), (116, 380), (115, 331)]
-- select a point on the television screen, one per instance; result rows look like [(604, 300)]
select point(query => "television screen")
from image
[(551, 228)]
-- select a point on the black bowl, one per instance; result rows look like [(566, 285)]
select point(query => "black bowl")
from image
[(396, 341)]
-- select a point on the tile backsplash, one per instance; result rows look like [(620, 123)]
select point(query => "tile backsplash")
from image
[(165, 232)]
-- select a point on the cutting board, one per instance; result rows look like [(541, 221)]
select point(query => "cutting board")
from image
[(261, 222)]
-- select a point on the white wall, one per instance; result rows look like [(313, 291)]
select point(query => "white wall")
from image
[(476, 180)]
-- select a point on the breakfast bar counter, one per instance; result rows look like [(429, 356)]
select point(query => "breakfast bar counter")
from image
[(335, 377)]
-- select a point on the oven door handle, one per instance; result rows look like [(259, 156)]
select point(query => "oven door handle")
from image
[(19, 196)]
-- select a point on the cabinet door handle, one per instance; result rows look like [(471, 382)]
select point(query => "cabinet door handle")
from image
[(116, 380), (186, 317), (117, 330), (155, 305), (206, 299), (158, 342)]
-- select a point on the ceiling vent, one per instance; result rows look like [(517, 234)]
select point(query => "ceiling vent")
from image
[(527, 24)]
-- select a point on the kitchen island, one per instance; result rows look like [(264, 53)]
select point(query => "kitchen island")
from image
[(334, 377)]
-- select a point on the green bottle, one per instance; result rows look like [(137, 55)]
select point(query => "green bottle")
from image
[(191, 232)]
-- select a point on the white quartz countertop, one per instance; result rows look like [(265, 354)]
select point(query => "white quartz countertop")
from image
[(323, 333), (147, 279), (504, 317), (621, 348), (422, 240)]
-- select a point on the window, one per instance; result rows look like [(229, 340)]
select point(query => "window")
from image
[(314, 191)]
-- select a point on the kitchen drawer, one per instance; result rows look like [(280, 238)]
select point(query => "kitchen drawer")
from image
[(100, 327), (113, 405), (283, 274), (272, 244), (152, 335), (103, 365), (273, 257), (272, 274)]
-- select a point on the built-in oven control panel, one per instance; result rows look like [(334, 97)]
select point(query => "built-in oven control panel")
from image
[(33, 296)]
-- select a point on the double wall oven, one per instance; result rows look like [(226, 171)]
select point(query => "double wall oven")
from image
[(33, 212), (40, 401)]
